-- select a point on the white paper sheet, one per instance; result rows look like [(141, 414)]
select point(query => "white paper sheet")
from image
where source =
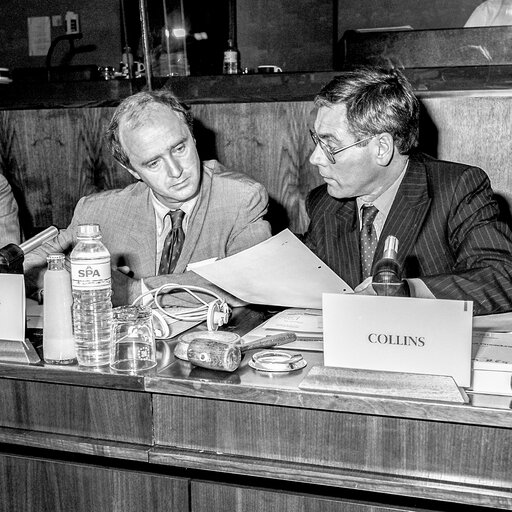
[(501, 322), (280, 271), (39, 35)]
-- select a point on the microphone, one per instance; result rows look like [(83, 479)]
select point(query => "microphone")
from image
[(387, 273), (12, 255)]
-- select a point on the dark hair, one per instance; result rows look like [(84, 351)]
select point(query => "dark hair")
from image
[(133, 110), (377, 100)]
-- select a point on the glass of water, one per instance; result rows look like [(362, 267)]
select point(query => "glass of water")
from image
[(133, 347)]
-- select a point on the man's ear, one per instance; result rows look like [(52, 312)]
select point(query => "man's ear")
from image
[(385, 149)]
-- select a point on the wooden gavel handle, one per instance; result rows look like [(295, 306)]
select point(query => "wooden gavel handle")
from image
[(270, 341)]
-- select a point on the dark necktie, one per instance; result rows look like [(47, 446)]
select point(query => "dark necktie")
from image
[(173, 243), (368, 239)]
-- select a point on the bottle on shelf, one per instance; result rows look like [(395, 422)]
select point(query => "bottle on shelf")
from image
[(127, 62), (92, 291), (58, 343), (231, 64)]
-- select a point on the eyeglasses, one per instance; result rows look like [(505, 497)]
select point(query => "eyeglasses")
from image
[(329, 152)]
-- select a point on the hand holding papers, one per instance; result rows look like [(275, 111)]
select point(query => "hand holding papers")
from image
[(280, 271)]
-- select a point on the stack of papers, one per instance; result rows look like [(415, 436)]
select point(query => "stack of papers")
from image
[(305, 323), (492, 363)]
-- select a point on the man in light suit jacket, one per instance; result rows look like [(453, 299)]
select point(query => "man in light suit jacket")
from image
[(150, 135), (9, 221), (451, 243)]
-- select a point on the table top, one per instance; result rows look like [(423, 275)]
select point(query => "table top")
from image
[(177, 377)]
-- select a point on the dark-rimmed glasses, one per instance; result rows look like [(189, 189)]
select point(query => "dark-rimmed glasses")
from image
[(329, 152)]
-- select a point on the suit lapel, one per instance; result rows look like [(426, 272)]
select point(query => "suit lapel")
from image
[(141, 231), (196, 221), (342, 224), (408, 211)]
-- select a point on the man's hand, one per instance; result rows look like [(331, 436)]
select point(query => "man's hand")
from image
[(121, 283), (365, 288)]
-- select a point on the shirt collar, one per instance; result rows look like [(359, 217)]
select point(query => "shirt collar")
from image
[(385, 200), (161, 211)]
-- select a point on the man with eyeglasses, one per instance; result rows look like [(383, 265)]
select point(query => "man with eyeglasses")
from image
[(451, 243)]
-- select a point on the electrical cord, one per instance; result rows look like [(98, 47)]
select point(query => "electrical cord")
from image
[(216, 312)]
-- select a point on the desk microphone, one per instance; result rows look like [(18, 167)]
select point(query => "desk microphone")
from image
[(387, 273), (12, 255)]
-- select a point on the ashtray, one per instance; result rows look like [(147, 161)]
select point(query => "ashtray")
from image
[(277, 361)]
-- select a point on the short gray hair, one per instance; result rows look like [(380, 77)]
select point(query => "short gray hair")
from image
[(377, 100)]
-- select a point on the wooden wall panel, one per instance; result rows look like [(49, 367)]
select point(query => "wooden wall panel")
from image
[(475, 130), (106, 414), (54, 157), (31, 485), (385, 445), (209, 497), (271, 143)]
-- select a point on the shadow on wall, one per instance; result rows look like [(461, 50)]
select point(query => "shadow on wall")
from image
[(428, 140)]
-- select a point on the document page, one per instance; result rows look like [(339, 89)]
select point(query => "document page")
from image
[(280, 271), (307, 324)]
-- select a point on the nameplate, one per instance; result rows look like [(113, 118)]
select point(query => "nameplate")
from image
[(12, 307), (13, 347), (438, 388), (399, 334)]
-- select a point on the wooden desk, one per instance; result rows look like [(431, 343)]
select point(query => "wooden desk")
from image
[(183, 438)]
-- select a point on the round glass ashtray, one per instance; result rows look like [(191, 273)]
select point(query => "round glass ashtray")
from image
[(181, 348), (277, 361)]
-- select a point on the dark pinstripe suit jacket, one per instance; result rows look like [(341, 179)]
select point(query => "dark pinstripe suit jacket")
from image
[(445, 219)]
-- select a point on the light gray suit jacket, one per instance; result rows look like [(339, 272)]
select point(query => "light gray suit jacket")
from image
[(227, 218), (9, 222)]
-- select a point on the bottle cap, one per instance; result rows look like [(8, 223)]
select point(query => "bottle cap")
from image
[(55, 256), (88, 230)]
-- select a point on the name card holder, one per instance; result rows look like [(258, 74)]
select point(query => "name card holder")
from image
[(13, 347), (398, 334), (439, 388)]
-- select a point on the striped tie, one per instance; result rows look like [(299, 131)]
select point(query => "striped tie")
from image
[(173, 243), (368, 239)]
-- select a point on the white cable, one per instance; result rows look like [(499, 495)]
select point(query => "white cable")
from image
[(191, 314)]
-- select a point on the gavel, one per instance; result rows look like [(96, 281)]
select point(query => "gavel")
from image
[(216, 355)]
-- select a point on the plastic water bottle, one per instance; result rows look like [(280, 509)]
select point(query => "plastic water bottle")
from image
[(92, 290), (58, 343)]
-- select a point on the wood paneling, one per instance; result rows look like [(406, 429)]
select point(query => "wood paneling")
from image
[(389, 445), (53, 157), (474, 130), (271, 143), (28, 484), (121, 416), (208, 497)]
